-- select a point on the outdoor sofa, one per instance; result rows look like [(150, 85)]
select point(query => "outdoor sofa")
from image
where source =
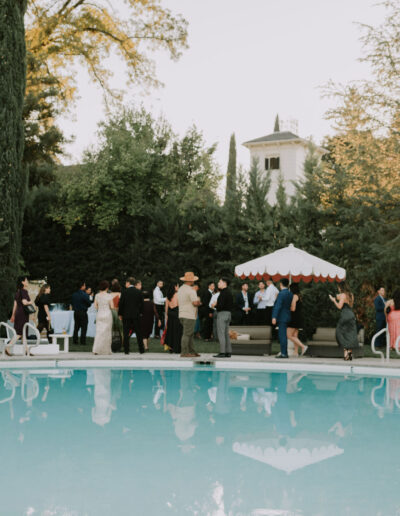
[(323, 344), (258, 343)]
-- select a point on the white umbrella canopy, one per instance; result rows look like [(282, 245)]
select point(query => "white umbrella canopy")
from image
[(296, 454), (290, 262)]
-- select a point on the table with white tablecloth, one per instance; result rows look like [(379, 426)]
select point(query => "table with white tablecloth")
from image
[(62, 321)]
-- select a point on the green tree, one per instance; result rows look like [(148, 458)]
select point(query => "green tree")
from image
[(62, 32), (12, 173), (308, 210), (258, 213), (138, 161), (230, 190), (43, 138)]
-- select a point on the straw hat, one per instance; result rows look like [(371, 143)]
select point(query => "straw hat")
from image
[(189, 276)]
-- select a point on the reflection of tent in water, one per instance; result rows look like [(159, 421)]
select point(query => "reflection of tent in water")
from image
[(296, 454)]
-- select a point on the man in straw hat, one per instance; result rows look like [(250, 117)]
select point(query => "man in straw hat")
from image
[(188, 303)]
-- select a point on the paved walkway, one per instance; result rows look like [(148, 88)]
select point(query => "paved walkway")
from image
[(367, 366)]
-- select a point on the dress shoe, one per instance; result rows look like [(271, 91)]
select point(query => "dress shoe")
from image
[(196, 354), (227, 355), (220, 355)]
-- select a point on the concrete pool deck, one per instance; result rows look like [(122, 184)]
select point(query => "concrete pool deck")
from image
[(80, 360)]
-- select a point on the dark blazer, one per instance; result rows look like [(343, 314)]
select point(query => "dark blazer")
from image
[(204, 309), (281, 310), (131, 303), (240, 300), (80, 301), (379, 308)]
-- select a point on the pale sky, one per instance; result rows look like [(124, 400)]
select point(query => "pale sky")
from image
[(248, 60)]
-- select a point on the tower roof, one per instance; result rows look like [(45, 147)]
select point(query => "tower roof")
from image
[(276, 137)]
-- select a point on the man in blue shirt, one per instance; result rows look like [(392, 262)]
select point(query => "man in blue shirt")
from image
[(281, 315), (80, 302), (380, 318)]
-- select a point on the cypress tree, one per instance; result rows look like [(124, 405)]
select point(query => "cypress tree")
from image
[(258, 211), (230, 192), (13, 178), (276, 126)]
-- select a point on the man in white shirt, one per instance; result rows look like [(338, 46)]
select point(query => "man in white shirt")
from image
[(260, 302), (271, 295), (159, 302)]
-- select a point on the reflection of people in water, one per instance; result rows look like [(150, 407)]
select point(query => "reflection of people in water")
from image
[(101, 412), (264, 400), (283, 414), (346, 402), (159, 389), (183, 413)]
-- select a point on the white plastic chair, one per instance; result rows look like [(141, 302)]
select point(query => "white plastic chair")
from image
[(11, 334), (29, 344)]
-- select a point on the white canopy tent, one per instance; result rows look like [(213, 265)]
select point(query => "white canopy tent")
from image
[(293, 263)]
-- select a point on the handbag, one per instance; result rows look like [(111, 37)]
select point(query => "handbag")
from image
[(29, 309)]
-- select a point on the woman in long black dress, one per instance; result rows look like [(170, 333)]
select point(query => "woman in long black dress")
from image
[(346, 328), (19, 314), (296, 322), (147, 319), (174, 328), (42, 301)]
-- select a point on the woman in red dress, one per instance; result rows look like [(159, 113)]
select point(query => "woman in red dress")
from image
[(392, 310), (19, 316)]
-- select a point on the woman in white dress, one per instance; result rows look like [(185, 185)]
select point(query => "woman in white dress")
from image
[(103, 303)]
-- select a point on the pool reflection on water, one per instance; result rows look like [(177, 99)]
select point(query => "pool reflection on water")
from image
[(122, 442)]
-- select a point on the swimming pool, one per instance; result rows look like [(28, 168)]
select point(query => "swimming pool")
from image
[(198, 442)]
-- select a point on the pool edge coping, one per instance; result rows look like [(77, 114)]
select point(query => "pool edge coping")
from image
[(217, 365)]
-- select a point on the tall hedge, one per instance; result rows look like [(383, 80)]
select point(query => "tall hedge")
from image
[(13, 178)]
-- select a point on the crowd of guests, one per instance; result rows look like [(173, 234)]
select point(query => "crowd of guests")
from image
[(176, 317)]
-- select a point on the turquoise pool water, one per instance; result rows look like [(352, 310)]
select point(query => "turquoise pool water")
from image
[(137, 442)]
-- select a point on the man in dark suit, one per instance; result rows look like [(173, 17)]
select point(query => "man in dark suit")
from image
[(379, 303), (129, 311), (206, 313), (281, 315), (244, 305), (80, 302)]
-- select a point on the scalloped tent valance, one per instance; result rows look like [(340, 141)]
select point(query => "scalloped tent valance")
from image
[(293, 263)]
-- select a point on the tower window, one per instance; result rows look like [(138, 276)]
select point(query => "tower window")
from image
[(272, 163)]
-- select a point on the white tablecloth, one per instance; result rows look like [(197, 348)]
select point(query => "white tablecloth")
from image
[(63, 320)]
